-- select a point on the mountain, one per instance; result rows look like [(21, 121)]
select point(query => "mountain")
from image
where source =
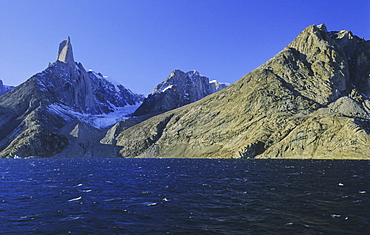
[(4, 88), (54, 108), (308, 101), (178, 90)]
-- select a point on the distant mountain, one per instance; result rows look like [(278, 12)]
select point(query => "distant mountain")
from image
[(308, 101), (177, 90), (36, 116), (4, 88)]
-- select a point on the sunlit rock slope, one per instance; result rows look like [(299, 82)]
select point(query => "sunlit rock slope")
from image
[(308, 101)]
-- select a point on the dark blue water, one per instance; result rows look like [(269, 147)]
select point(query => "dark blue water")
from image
[(170, 196)]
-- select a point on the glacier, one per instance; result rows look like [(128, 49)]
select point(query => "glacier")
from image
[(99, 121)]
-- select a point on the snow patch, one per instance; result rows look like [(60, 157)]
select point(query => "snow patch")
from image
[(169, 87), (99, 121), (193, 75)]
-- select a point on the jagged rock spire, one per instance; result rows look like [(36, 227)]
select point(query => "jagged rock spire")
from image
[(2, 89), (65, 53)]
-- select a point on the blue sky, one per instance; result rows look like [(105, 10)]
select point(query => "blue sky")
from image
[(138, 43)]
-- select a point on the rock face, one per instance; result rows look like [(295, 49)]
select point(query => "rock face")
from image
[(178, 90), (65, 53), (308, 101), (35, 116), (4, 88), (109, 94)]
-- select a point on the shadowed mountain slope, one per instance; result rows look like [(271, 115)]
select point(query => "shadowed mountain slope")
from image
[(4, 88), (178, 90)]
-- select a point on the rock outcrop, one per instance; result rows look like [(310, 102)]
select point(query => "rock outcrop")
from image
[(308, 101), (4, 88), (177, 90), (108, 94), (65, 53)]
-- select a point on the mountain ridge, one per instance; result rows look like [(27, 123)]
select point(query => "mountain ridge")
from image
[(33, 115), (177, 90), (302, 103), (310, 100)]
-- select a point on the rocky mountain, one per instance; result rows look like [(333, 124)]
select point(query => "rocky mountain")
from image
[(177, 90), (308, 101), (4, 88), (55, 107)]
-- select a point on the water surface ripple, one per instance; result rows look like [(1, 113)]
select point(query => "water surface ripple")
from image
[(178, 196)]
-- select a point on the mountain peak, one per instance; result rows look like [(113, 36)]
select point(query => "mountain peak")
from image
[(177, 90), (65, 53), (322, 27)]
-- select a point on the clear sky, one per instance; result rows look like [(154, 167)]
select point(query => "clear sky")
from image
[(138, 43)]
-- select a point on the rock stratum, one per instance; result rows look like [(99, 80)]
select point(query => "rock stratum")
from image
[(308, 101)]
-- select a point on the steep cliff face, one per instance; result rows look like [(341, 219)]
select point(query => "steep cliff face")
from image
[(177, 90), (109, 95), (4, 88), (65, 52), (308, 101)]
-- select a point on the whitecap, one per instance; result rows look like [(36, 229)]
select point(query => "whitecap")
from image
[(75, 199), (72, 217), (114, 199), (152, 204), (362, 191)]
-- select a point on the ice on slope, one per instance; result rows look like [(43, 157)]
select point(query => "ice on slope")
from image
[(165, 89), (99, 121)]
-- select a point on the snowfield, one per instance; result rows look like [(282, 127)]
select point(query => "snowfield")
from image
[(99, 121)]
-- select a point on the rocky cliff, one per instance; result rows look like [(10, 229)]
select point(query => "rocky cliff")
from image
[(4, 88), (177, 90), (308, 101)]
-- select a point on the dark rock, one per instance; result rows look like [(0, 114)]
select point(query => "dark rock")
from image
[(177, 90)]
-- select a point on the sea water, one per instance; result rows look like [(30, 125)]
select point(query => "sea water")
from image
[(178, 196)]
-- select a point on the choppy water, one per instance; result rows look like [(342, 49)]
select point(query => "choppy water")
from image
[(160, 196)]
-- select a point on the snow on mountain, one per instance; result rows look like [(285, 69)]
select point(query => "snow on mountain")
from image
[(68, 83), (110, 94), (112, 102), (101, 76), (99, 121), (36, 116)]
